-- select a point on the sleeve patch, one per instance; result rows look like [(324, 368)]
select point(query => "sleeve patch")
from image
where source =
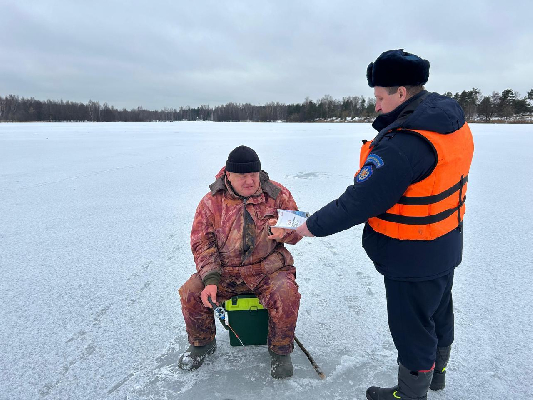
[(375, 159), (364, 174)]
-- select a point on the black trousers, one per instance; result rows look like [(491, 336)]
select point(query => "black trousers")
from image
[(420, 318)]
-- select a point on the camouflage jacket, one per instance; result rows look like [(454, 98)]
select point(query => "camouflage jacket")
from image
[(231, 231)]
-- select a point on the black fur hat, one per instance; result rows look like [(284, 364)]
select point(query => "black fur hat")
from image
[(242, 160), (397, 68)]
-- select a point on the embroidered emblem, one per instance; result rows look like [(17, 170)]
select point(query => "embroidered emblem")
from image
[(364, 174), (375, 159)]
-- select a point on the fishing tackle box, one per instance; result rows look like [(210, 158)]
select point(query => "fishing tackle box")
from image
[(248, 318)]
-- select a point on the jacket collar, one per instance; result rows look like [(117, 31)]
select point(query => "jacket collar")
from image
[(425, 111)]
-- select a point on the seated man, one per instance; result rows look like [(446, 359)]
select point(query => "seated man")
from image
[(235, 253)]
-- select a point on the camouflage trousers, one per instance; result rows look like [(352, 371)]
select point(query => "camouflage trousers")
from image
[(277, 292)]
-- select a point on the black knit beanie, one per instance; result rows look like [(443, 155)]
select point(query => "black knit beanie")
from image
[(397, 68), (242, 160)]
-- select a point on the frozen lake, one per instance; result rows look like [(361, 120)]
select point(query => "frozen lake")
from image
[(94, 244)]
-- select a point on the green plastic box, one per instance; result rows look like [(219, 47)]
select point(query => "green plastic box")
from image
[(248, 318)]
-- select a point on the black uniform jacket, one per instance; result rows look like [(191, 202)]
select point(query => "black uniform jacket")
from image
[(407, 158)]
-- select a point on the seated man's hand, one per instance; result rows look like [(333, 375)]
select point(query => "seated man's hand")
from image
[(209, 291), (275, 233)]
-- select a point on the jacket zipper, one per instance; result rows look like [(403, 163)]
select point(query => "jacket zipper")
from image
[(243, 229)]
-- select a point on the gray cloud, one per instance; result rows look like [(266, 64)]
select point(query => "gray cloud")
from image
[(173, 53)]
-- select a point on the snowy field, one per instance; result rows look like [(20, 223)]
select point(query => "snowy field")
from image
[(94, 244)]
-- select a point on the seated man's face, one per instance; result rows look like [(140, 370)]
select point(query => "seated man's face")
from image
[(244, 184)]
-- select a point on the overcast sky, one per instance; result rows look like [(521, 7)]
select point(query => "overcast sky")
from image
[(157, 53)]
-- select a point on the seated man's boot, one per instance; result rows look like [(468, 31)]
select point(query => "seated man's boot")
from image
[(411, 386), (194, 356), (443, 355), (280, 365)]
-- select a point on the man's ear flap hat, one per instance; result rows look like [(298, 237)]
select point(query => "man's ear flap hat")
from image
[(397, 68)]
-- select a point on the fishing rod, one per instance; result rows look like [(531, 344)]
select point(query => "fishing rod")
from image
[(220, 313), (313, 363)]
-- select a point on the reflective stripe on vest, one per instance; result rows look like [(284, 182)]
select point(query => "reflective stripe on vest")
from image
[(434, 206)]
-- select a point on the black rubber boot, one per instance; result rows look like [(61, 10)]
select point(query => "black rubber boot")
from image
[(194, 356), (411, 386), (280, 365), (443, 355)]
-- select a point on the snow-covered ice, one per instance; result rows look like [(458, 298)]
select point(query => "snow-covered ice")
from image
[(94, 244)]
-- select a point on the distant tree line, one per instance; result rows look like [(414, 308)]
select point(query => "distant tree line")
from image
[(507, 106)]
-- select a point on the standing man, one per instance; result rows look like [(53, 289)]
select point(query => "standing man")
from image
[(235, 252), (410, 192)]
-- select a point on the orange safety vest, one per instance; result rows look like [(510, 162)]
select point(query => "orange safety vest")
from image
[(436, 205)]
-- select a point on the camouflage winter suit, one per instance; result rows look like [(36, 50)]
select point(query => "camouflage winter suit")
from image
[(230, 246)]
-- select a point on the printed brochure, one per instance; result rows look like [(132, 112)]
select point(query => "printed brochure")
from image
[(291, 219)]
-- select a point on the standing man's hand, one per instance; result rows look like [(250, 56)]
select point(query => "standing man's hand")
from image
[(209, 291), (303, 231)]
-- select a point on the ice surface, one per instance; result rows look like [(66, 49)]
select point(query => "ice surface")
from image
[(94, 244)]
